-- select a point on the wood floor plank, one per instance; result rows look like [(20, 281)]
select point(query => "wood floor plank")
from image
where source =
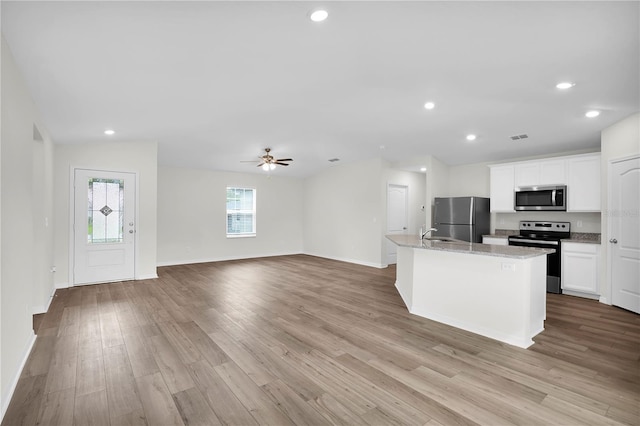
[(193, 408), (175, 373), (251, 396), (121, 389), (219, 396), (57, 408), (305, 340), (25, 403), (92, 409), (158, 405)]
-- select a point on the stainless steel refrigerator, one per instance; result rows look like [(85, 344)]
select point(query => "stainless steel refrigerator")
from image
[(462, 218)]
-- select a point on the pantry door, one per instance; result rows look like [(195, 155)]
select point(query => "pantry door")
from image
[(104, 226), (624, 233)]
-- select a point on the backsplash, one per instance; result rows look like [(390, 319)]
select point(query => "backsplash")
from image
[(590, 222)]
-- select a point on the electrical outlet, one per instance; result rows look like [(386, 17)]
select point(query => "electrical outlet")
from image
[(53, 269), (579, 224), (508, 266)]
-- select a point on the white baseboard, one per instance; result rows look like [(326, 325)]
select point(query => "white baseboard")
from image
[(147, 277), (347, 260), (62, 285), (604, 300), (41, 309), (580, 294), (8, 394), (219, 259)]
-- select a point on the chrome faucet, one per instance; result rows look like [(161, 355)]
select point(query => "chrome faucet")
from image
[(424, 234)]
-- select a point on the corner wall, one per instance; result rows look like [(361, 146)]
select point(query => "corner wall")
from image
[(344, 213), (618, 141), (25, 223)]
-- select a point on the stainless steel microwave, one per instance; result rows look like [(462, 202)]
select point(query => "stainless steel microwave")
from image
[(541, 198)]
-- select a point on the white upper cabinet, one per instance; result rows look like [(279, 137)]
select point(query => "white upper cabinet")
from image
[(547, 172), (502, 184), (583, 188), (581, 174)]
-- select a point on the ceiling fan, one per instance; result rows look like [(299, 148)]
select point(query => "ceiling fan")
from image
[(269, 162)]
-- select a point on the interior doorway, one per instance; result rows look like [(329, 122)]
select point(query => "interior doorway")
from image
[(397, 217)]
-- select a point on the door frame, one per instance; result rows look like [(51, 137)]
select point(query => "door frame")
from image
[(72, 196), (406, 211), (609, 260)]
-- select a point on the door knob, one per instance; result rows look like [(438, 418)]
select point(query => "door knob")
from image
[(613, 241), (131, 231), (404, 227)]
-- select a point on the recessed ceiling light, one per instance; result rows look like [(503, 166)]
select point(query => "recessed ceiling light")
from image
[(471, 137), (429, 105), (423, 169), (319, 15), (592, 114), (565, 85), (109, 132)]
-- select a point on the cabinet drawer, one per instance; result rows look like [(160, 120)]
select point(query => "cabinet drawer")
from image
[(589, 248)]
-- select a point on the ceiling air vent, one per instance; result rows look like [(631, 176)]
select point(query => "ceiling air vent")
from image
[(333, 160), (518, 137)]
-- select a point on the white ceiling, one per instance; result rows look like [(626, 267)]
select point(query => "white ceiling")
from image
[(216, 82)]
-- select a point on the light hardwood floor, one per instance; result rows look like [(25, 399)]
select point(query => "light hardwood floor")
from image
[(304, 340)]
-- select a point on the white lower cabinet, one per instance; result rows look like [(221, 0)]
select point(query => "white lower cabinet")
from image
[(580, 267), (496, 241)]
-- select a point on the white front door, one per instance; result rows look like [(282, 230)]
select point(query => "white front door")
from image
[(104, 226), (397, 220), (624, 233)]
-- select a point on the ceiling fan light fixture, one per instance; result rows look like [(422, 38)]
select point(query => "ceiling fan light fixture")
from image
[(272, 166), (265, 167)]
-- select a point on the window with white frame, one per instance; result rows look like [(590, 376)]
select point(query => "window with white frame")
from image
[(241, 212)]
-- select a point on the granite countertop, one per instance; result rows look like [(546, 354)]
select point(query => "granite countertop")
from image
[(574, 237), (413, 241)]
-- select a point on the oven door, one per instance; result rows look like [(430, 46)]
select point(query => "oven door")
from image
[(553, 259), (540, 198)]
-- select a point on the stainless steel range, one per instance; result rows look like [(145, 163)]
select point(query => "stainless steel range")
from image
[(544, 235)]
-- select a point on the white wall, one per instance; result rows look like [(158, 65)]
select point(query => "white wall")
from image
[(26, 245), (138, 157), (192, 216), (618, 141), (344, 213), (437, 185)]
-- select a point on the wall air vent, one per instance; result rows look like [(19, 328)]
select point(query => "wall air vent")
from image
[(518, 137), (333, 160)]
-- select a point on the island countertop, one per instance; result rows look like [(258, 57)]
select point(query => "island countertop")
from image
[(516, 252)]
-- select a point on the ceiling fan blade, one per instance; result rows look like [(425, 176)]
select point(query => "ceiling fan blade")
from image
[(284, 159), (282, 164), (260, 165)]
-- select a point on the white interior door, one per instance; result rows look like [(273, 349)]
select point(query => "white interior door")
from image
[(397, 218), (624, 233), (104, 226)]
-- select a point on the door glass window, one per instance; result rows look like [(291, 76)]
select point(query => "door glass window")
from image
[(106, 211)]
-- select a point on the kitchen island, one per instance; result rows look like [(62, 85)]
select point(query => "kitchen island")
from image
[(495, 291)]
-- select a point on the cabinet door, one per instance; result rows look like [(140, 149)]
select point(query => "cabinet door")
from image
[(553, 172), (502, 189), (527, 174), (580, 267), (583, 187)]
